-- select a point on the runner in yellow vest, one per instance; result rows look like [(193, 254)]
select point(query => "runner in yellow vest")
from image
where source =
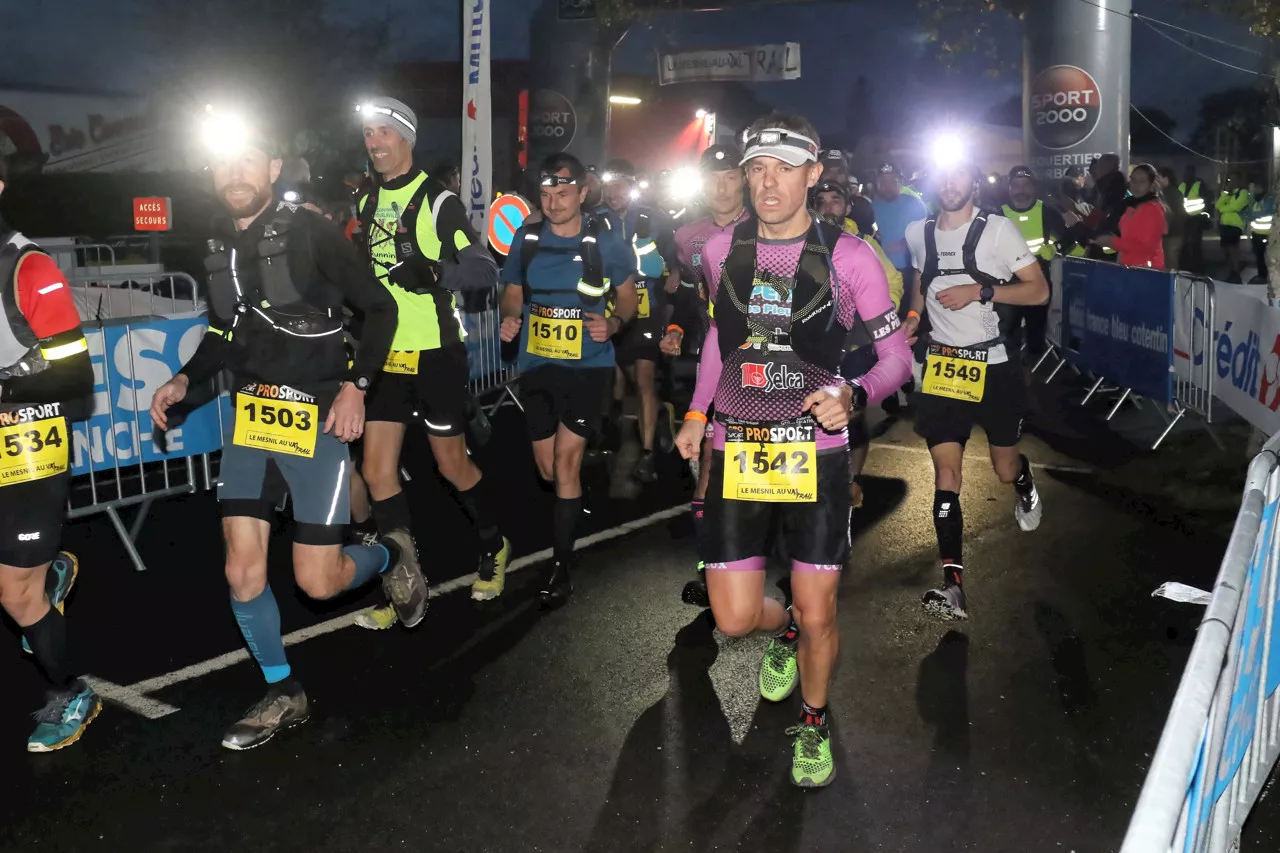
[(1043, 228)]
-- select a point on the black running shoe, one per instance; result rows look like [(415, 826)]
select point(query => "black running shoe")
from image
[(695, 591), (557, 587), (947, 602), (284, 707)]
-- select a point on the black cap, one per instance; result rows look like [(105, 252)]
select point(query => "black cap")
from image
[(831, 187), (720, 158), (888, 169), (1074, 171), (1022, 172), (834, 157)]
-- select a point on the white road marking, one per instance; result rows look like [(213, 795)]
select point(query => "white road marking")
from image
[(133, 698), (130, 698), (924, 451)]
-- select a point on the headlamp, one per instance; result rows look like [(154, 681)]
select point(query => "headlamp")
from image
[(947, 151), (223, 134), (684, 183), (558, 180)]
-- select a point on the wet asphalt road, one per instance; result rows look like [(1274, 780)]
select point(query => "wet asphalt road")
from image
[(624, 722)]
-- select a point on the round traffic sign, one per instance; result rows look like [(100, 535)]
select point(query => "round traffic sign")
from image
[(1066, 105), (506, 214)]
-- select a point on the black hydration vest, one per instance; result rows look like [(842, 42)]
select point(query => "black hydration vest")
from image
[(274, 298), (1006, 314), (815, 335), (19, 347), (591, 287), (413, 271)]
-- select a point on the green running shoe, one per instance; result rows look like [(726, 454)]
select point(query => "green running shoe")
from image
[(377, 618), (65, 716), (811, 763), (58, 581), (779, 672), (495, 567)]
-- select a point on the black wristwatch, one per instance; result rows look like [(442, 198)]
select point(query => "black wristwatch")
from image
[(986, 294), (362, 383), (859, 400)]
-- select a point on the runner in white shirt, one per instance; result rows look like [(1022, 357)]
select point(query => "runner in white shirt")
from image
[(974, 267)]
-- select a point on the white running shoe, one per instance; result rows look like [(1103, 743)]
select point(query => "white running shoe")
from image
[(1027, 510)]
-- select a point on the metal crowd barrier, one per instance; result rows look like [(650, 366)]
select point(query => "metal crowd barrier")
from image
[(1222, 737), (1193, 389), (488, 372), (110, 295)]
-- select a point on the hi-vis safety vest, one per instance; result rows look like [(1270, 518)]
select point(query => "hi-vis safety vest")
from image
[(1192, 204), (1031, 223), (1260, 219)]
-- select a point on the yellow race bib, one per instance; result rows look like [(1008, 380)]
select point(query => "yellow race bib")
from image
[(643, 292), (771, 463), (956, 372), (405, 363), (33, 448), (555, 332), (276, 418)]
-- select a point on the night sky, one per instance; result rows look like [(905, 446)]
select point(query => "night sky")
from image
[(109, 52)]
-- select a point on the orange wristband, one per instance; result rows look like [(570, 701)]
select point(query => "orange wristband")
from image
[(691, 415), (915, 314)]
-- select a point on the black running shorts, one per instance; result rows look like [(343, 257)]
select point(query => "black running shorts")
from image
[(437, 394), (33, 511), (942, 420), (640, 341), (552, 394), (815, 532)]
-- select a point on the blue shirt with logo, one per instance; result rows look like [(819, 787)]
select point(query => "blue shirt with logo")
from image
[(892, 219), (553, 279)]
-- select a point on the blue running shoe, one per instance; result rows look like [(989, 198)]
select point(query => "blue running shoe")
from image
[(65, 716), (58, 582)]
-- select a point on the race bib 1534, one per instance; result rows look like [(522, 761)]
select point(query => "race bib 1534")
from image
[(31, 447)]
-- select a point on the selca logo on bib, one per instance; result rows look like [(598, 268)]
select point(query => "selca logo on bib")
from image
[(768, 378)]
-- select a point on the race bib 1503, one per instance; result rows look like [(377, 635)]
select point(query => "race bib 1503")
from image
[(771, 463), (555, 332), (276, 418), (405, 363)]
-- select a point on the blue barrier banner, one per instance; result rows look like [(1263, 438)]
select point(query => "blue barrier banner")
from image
[(1117, 322), (130, 361)]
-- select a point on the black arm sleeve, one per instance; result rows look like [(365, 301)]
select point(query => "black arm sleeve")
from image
[(67, 380), (340, 264), (452, 220), (209, 358), (1056, 227)]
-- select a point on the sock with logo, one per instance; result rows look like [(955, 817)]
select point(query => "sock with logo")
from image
[(952, 575), (259, 621), (370, 561), (1025, 482), (697, 507), (564, 526), (48, 640), (478, 502), (790, 634), (811, 716), (392, 513), (948, 522)]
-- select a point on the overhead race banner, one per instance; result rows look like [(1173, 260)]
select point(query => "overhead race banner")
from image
[(762, 62), (1243, 351), (477, 115), (1118, 322), (130, 361)]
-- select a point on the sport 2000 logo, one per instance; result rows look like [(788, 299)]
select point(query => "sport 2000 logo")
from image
[(1250, 369)]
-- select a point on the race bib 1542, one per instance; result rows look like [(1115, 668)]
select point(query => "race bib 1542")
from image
[(772, 463)]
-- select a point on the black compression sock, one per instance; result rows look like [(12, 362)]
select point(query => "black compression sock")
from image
[(564, 524), (478, 502), (48, 641), (948, 522), (791, 634), (393, 513), (1025, 482), (811, 716)]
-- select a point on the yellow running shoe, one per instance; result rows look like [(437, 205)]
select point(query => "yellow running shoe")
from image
[(377, 618), (495, 567)]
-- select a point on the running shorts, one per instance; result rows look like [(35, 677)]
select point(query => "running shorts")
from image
[(553, 394), (943, 420), (35, 479), (641, 340), (429, 386), (815, 532)]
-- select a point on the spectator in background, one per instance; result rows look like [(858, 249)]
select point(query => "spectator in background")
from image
[(1142, 226), (1109, 195), (1231, 207), (448, 173), (1175, 217), (1261, 211), (1194, 192)]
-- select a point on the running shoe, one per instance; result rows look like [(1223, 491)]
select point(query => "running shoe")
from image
[(377, 618), (557, 588), (58, 581), (779, 672), (283, 707), (695, 591), (491, 577), (1027, 509), (811, 762), (404, 583), (65, 716), (646, 470), (947, 602), (667, 437)]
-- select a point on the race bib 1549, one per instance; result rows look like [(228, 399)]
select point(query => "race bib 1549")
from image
[(956, 372)]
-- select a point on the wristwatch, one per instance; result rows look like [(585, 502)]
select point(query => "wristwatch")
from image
[(986, 294), (859, 400), (362, 383)]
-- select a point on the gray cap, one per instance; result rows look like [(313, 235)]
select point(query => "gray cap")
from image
[(389, 111)]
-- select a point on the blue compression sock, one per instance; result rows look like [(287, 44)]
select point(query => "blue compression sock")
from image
[(370, 560), (259, 622)]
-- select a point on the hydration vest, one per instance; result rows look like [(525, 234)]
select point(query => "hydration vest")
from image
[(815, 336), (1031, 223), (19, 346), (274, 298), (413, 271), (648, 262), (1007, 314), (592, 286)]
